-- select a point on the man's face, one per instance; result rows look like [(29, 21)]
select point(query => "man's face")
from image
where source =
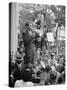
[(18, 62)]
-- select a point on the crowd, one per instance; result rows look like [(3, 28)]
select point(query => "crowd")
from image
[(35, 63)]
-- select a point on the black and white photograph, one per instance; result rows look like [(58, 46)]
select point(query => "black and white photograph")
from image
[(36, 44)]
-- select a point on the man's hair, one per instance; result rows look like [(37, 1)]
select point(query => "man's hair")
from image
[(27, 24)]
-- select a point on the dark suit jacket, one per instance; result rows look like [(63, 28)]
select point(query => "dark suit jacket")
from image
[(29, 50), (17, 73)]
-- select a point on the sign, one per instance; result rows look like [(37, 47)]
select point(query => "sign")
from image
[(61, 34), (50, 37)]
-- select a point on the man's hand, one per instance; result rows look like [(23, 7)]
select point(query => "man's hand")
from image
[(11, 76)]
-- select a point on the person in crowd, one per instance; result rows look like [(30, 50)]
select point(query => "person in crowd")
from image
[(61, 79), (16, 72), (53, 77), (27, 74), (28, 45)]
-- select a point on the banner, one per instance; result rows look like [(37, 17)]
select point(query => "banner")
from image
[(50, 37)]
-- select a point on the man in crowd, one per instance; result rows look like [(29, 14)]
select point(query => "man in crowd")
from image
[(28, 45), (16, 70)]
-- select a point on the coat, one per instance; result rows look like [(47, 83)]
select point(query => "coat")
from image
[(15, 72), (29, 49)]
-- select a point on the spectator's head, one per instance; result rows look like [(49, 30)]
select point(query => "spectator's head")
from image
[(27, 24), (38, 73), (60, 80), (48, 68), (60, 69), (27, 75), (52, 78)]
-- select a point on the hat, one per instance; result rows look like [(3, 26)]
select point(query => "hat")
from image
[(19, 58)]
